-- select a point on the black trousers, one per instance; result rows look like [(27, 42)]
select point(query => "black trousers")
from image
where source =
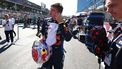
[(9, 34), (38, 29), (0, 37), (56, 60)]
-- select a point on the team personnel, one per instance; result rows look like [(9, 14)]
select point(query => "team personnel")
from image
[(7, 24), (115, 7)]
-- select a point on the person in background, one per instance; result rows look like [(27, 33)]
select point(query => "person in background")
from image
[(34, 21), (114, 7), (13, 23), (7, 24), (25, 19), (38, 26), (0, 37)]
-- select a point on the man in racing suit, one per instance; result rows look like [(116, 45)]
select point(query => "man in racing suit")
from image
[(62, 33)]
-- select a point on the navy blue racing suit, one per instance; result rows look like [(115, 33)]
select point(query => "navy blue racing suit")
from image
[(57, 58)]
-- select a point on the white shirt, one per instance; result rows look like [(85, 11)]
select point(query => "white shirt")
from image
[(8, 25), (51, 37), (13, 21)]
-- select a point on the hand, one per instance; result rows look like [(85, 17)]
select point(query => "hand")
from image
[(4, 25), (42, 39)]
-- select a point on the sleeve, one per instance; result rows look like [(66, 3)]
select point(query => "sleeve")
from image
[(65, 32), (13, 21)]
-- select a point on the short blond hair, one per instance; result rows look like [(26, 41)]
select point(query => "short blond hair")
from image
[(6, 15)]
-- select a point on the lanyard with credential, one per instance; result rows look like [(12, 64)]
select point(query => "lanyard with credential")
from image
[(7, 22)]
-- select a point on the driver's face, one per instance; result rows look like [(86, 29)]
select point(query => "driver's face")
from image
[(53, 12)]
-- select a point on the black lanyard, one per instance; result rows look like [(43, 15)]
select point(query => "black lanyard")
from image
[(116, 30), (7, 22)]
